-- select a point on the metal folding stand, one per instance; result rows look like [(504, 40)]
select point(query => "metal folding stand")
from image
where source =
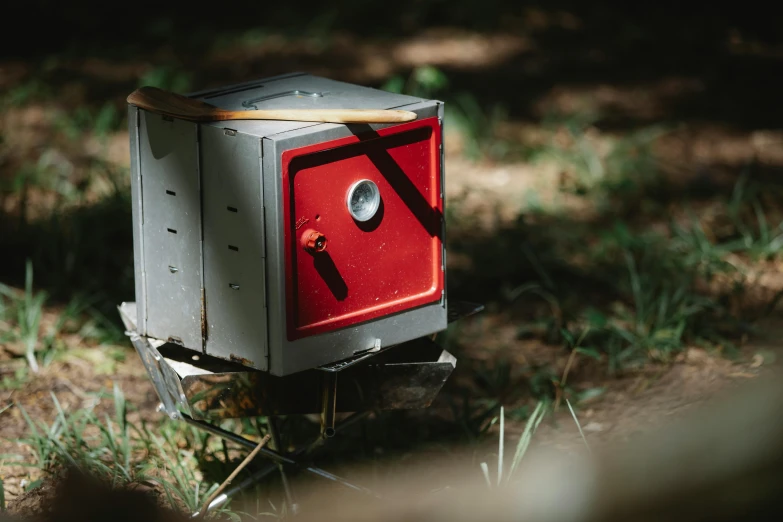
[(279, 461), (198, 388)]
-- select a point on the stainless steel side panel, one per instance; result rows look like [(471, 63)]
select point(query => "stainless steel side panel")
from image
[(137, 213), (168, 152), (234, 265)]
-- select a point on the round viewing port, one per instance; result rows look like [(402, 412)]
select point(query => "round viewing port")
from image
[(363, 200)]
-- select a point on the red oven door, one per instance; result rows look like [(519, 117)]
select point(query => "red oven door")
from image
[(374, 263)]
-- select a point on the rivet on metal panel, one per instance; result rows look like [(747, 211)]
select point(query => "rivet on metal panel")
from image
[(173, 269), (230, 132), (233, 286)]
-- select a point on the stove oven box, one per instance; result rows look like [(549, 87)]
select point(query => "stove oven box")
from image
[(286, 246)]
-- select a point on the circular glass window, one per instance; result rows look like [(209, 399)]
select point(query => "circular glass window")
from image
[(363, 200)]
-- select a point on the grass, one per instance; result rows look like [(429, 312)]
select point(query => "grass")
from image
[(652, 286), (78, 247), (659, 309), (29, 308), (504, 478), (594, 164), (29, 324), (119, 452), (169, 455), (477, 124)]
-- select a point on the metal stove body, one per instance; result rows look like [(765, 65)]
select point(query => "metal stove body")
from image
[(222, 212), (273, 257)]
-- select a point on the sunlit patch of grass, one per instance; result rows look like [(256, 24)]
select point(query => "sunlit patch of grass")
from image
[(504, 478), (479, 127), (29, 311), (595, 164), (742, 225), (653, 283), (658, 307), (32, 328), (120, 452), (85, 120), (477, 124), (753, 232), (23, 315)]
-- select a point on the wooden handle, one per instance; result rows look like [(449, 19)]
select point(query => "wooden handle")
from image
[(170, 104), (323, 115)]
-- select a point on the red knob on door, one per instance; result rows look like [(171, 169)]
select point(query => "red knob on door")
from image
[(313, 241)]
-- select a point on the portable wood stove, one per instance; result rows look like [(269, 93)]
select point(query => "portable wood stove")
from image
[(276, 259)]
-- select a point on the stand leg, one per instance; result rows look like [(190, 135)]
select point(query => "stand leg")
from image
[(276, 440), (328, 403), (274, 455)]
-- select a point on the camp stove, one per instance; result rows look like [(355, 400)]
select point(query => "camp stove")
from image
[(286, 267)]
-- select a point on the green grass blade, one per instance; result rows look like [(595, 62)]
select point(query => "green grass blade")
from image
[(578, 425), (524, 440), (500, 445), (485, 471)]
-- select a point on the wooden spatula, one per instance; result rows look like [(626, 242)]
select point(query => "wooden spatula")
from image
[(171, 104)]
